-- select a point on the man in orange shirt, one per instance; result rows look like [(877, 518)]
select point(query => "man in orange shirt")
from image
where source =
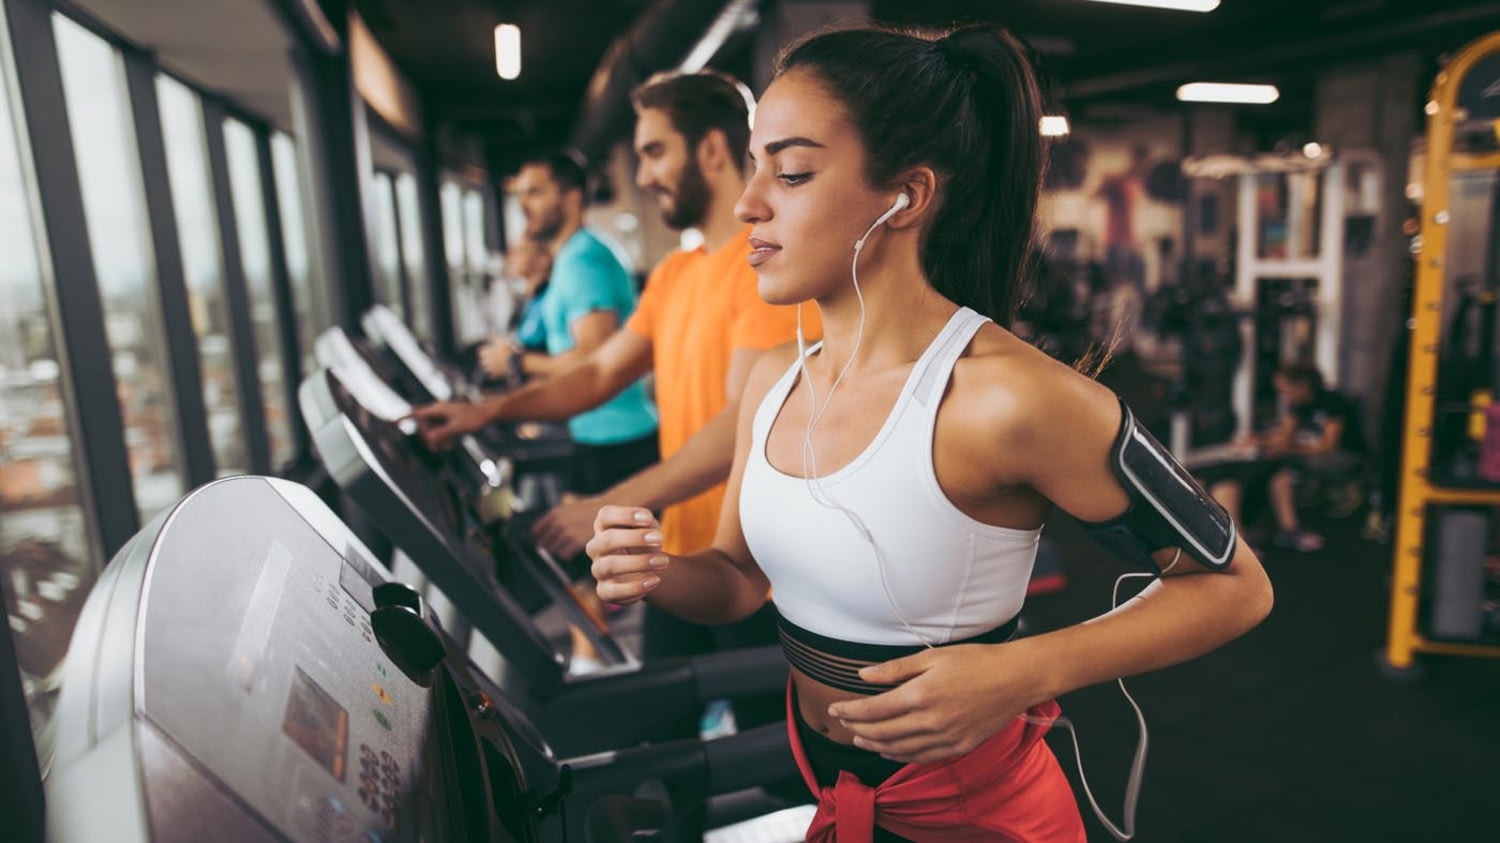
[(700, 323)]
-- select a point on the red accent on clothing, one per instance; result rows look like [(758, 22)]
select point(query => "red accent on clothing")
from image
[(1009, 788)]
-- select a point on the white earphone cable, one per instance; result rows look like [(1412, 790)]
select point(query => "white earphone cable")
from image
[(810, 472), (1138, 762)]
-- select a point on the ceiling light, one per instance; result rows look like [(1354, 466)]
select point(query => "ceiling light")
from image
[(737, 16), (1226, 92), (508, 50), (1178, 5), (1054, 126)]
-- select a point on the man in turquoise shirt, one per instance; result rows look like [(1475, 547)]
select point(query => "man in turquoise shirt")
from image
[(588, 296)]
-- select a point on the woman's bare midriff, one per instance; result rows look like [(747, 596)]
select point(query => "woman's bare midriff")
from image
[(813, 700)]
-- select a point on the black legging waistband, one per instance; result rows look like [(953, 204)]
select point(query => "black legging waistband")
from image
[(836, 663)]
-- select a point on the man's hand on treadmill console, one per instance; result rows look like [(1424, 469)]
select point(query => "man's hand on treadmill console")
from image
[(444, 422)]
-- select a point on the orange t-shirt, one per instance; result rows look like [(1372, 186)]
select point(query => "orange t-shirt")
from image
[(697, 309)]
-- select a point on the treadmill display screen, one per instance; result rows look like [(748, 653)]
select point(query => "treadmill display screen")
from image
[(358, 580), (317, 723)]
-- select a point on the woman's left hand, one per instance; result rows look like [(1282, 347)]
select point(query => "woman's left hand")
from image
[(951, 700)]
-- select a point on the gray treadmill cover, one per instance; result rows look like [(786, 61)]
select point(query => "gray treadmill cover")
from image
[(225, 684)]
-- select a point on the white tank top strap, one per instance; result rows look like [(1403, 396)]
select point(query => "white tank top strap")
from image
[(927, 387), (770, 406), (930, 373)]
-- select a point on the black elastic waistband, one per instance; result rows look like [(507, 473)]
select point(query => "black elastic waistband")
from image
[(836, 663)]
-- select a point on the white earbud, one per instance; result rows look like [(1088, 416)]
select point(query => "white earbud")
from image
[(901, 202)]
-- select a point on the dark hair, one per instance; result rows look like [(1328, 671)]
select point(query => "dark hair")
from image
[(698, 103), (967, 104), (1304, 373), (566, 170)]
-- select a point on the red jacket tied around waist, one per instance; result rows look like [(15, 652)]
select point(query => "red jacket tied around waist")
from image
[(1008, 788)]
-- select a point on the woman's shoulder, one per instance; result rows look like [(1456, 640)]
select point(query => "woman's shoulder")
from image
[(1006, 387), (769, 368)]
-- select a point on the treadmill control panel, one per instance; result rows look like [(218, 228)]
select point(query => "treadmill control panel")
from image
[(402, 456), (259, 661)]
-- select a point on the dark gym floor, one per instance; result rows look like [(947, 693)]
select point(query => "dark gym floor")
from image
[(1291, 733)]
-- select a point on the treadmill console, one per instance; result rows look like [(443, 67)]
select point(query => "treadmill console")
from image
[(227, 683), (537, 444), (394, 482), (337, 351), (382, 323), (401, 453)]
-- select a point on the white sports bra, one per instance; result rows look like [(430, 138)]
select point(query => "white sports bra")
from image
[(951, 577)]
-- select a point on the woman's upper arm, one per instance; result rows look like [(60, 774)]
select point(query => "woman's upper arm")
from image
[(1070, 429), (1064, 429)]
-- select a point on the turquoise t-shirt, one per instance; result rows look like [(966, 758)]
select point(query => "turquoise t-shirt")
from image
[(531, 333), (586, 277)]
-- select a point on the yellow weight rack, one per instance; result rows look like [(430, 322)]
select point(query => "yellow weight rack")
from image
[(1418, 489)]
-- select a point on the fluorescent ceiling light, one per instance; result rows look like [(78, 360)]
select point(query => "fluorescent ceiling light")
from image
[(736, 16), (1178, 5), (1054, 126), (1226, 92), (508, 50)]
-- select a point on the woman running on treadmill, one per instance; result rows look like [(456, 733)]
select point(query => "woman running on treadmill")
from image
[(890, 483)]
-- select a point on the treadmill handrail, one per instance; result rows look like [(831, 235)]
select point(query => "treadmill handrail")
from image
[(723, 765)]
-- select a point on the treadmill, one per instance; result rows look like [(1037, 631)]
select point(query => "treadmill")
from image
[(371, 380), (424, 379), (351, 440), (442, 383), (479, 567), (386, 388), (245, 671)]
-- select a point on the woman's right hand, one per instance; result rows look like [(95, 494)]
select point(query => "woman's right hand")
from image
[(627, 554)]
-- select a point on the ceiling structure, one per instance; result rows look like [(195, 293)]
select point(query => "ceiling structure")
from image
[(230, 47), (447, 49), (1103, 50), (1096, 55)]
